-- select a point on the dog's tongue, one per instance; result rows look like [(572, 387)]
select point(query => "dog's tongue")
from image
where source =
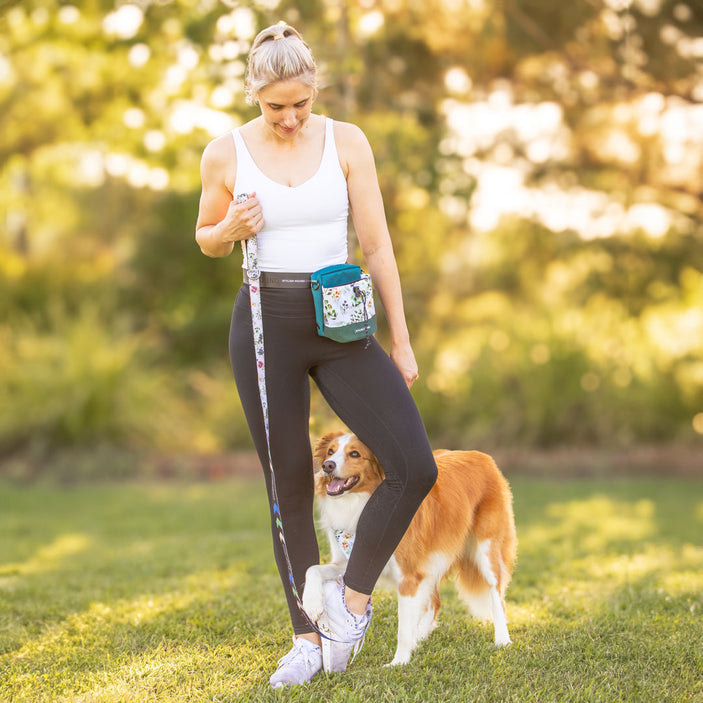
[(335, 486)]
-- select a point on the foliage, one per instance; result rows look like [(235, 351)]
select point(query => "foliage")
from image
[(73, 381), (168, 592), (568, 322), (83, 380), (541, 169)]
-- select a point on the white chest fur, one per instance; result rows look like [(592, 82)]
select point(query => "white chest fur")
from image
[(342, 512)]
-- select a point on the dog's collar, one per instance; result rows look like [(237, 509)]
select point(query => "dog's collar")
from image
[(345, 540)]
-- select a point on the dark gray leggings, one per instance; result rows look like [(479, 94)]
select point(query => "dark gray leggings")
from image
[(366, 390)]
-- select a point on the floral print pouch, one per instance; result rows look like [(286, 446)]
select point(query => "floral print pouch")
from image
[(344, 304)]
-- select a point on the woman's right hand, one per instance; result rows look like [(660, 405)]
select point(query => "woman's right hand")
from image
[(243, 220)]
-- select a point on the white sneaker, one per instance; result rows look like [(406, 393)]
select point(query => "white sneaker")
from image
[(298, 666), (345, 629)]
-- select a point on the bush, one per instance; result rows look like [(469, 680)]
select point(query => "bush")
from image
[(81, 379)]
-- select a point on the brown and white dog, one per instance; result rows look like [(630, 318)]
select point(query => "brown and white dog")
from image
[(465, 525)]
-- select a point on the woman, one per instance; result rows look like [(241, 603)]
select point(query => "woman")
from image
[(303, 172)]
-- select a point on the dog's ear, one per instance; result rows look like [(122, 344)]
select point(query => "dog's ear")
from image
[(377, 467), (371, 459), (322, 444)]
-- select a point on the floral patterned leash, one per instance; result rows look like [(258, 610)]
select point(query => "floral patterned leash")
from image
[(250, 251)]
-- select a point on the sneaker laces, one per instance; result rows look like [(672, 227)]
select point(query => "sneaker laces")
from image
[(298, 650), (359, 622), (359, 644), (365, 618)]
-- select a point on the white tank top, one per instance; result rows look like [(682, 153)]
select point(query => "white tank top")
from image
[(305, 226)]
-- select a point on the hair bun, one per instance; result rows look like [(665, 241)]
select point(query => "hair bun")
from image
[(270, 61)]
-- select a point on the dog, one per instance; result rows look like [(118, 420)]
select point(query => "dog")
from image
[(465, 525)]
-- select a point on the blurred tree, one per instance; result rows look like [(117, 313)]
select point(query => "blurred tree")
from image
[(541, 165)]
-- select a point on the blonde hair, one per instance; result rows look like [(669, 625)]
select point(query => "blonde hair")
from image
[(279, 53)]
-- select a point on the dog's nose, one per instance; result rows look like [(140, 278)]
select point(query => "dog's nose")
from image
[(328, 466)]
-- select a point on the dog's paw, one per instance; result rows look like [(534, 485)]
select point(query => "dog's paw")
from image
[(399, 660), (313, 595), (313, 606)]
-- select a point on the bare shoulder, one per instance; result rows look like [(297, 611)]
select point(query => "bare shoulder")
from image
[(220, 152), (349, 136), (352, 145), (218, 166)]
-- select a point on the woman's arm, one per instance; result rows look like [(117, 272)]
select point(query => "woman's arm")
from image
[(371, 228), (221, 220)]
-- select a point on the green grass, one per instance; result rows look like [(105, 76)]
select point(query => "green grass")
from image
[(168, 592)]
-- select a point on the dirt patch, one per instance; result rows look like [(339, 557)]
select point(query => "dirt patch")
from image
[(112, 464), (590, 462), (561, 462), (214, 467)]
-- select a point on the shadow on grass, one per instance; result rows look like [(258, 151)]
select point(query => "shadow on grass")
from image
[(133, 593)]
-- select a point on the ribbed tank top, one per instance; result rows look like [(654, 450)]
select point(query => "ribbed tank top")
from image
[(305, 226)]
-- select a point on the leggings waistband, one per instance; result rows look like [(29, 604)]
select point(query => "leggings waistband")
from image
[(278, 279)]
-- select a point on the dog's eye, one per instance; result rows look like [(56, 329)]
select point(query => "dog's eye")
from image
[(330, 452), (354, 454)]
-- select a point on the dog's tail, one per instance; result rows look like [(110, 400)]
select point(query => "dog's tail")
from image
[(472, 587), (481, 568)]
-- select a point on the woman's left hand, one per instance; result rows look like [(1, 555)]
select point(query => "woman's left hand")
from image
[(404, 358)]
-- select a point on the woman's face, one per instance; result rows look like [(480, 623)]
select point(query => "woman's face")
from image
[(285, 107)]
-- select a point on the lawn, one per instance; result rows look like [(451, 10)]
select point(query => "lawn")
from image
[(168, 592)]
